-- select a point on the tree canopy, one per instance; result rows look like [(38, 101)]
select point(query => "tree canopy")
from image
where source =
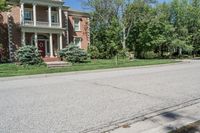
[(145, 26), (3, 5)]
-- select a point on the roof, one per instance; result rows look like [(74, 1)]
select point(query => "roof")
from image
[(77, 12)]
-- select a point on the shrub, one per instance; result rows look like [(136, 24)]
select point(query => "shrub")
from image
[(29, 55), (93, 52), (123, 53), (150, 55), (73, 54)]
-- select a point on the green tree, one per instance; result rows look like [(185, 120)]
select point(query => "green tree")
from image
[(3, 5)]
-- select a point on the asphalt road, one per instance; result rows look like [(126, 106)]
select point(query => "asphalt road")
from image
[(86, 102)]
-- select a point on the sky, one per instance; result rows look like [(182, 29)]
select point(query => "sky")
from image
[(76, 4)]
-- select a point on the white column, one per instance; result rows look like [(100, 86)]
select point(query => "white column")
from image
[(46, 48), (22, 13), (36, 40), (51, 44), (23, 38), (60, 16), (61, 41), (49, 14), (34, 14)]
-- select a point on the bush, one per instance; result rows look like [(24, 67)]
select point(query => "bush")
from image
[(150, 55), (29, 55), (93, 52), (3, 54), (123, 53), (73, 54)]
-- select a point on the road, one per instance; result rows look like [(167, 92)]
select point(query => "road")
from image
[(94, 101)]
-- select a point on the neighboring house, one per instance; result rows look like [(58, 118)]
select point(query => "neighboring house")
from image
[(47, 24)]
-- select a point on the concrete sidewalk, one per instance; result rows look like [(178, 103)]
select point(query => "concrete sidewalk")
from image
[(164, 122)]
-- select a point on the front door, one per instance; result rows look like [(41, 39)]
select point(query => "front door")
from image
[(41, 47)]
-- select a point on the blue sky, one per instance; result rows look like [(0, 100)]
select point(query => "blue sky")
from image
[(76, 4)]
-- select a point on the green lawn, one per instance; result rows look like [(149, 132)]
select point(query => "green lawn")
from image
[(191, 128), (8, 70)]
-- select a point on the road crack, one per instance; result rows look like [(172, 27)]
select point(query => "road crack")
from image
[(121, 89)]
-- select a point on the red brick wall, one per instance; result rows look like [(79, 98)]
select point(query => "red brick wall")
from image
[(83, 33), (42, 13), (15, 16)]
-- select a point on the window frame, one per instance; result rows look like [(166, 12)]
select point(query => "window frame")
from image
[(77, 25), (80, 41), (27, 11), (53, 14)]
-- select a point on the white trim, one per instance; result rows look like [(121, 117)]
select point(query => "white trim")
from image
[(55, 3)]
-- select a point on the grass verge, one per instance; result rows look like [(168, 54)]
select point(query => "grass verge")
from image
[(192, 128), (8, 70)]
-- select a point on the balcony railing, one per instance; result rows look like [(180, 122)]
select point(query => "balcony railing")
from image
[(28, 23), (55, 24), (40, 24)]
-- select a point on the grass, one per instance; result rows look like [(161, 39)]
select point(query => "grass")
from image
[(8, 70), (192, 128)]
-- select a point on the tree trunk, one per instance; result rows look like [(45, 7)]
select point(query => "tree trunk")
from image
[(124, 38)]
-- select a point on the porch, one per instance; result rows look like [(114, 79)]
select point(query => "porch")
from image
[(47, 43)]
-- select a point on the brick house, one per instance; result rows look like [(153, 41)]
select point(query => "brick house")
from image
[(47, 24)]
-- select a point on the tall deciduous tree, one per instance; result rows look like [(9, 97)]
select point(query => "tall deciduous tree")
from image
[(146, 26)]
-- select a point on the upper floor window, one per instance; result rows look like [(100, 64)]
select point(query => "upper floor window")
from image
[(77, 24), (28, 14), (54, 17)]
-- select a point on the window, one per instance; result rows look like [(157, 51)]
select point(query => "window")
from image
[(54, 17), (28, 15), (77, 42), (77, 24)]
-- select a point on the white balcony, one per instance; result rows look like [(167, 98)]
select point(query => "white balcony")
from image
[(30, 18), (40, 24)]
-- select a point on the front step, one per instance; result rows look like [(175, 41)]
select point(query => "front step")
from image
[(57, 64), (51, 59)]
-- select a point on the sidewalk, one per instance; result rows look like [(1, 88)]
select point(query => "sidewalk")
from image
[(165, 122)]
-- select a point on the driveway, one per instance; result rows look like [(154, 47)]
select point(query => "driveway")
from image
[(94, 101)]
